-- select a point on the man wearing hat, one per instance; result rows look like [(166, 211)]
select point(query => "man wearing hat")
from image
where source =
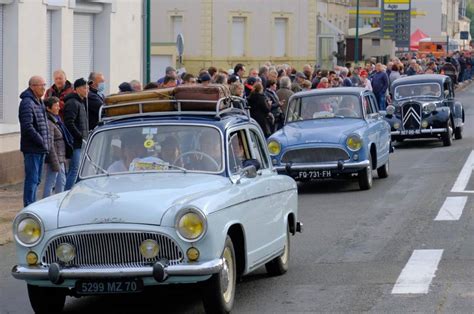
[(299, 79), (170, 72), (76, 121)]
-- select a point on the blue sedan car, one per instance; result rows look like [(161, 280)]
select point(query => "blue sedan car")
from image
[(332, 133)]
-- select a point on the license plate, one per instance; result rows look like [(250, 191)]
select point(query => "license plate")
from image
[(108, 286), (410, 132), (314, 174)]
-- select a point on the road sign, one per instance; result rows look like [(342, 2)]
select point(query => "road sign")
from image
[(180, 44), (396, 22)]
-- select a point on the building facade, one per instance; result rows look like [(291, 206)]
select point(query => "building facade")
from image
[(225, 32), (78, 36)]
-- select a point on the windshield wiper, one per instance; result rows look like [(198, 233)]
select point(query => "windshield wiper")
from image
[(96, 166)]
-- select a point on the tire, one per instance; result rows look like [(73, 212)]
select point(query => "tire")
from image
[(46, 300), (458, 133), (215, 298), (279, 265), (448, 137), (383, 171), (366, 177)]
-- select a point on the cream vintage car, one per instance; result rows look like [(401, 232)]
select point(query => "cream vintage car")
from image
[(161, 198)]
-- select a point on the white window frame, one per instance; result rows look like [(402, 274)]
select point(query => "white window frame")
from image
[(280, 40), (177, 26), (78, 73)]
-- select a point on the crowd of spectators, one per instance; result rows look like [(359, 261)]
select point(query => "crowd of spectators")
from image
[(55, 122)]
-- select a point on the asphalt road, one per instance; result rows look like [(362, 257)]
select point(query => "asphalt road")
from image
[(355, 247)]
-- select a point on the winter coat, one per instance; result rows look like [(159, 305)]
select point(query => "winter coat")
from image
[(380, 83), (75, 118), (61, 94), (33, 124), (95, 101), (259, 111), (284, 95), (57, 153)]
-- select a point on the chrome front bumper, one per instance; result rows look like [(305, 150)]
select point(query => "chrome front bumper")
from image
[(419, 132), (160, 271), (325, 166)]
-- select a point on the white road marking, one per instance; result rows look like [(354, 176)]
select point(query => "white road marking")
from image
[(418, 273), (452, 208), (464, 176)]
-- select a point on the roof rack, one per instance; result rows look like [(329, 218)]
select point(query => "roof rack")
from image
[(166, 107)]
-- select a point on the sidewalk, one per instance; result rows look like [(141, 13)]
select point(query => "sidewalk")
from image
[(11, 202)]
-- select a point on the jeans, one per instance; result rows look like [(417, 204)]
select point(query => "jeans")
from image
[(73, 169), (381, 101), (33, 172), (54, 179)]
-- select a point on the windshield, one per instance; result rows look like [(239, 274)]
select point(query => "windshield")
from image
[(154, 148), (418, 90), (324, 107)]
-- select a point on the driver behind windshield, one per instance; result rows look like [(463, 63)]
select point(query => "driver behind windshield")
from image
[(208, 157), (170, 151), (349, 107), (130, 148)]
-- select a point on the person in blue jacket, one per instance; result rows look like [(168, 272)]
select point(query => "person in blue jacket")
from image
[(34, 142), (380, 85)]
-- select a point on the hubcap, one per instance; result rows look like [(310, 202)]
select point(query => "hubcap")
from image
[(227, 275)]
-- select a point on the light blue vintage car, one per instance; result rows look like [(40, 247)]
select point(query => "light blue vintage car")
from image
[(161, 198), (332, 133)]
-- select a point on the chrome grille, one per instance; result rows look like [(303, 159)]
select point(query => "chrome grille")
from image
[(411, 116), (314, 155), (113, 249)]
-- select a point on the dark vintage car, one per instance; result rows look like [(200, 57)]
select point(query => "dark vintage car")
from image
[(424, 107)]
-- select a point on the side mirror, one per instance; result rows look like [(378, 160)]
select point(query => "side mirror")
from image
[(246, 172)]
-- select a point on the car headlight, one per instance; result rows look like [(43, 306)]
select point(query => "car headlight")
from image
[(431, 107), (390, 110), (66, 252), (149, 248), (396, 125), (274, 147), (354, 142), (191, 224), (28, 229)]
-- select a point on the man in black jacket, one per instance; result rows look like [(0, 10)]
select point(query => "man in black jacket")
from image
[(34, 141), (95, 97), (75, 119)]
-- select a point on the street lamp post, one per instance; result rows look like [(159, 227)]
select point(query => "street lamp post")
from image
[(356, 44)]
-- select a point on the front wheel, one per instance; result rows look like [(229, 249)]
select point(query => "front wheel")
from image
[(366, 176), (279, 265), (448, 136), (383, 171), (46, 300), (458, 133), (219, 290)]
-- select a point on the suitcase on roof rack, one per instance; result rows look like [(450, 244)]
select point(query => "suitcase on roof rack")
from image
[(211, 93), (135, 98)]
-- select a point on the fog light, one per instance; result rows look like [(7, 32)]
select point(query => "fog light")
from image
[(149, 248), (66, 252), (355, 157), (31, 258), (424, 124), (396, 125), (193, 254)]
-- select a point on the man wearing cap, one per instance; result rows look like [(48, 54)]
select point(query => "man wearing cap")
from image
[(171, 72), (75, 119), (299, 79), (34, 142)]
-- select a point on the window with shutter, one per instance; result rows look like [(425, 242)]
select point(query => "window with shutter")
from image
[(83, 54), (238, 36), (176, 26), (1, 63), (49, 47), (281, 25)]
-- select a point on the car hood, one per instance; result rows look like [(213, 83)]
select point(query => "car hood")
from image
[(133, 198), (321, 130)]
